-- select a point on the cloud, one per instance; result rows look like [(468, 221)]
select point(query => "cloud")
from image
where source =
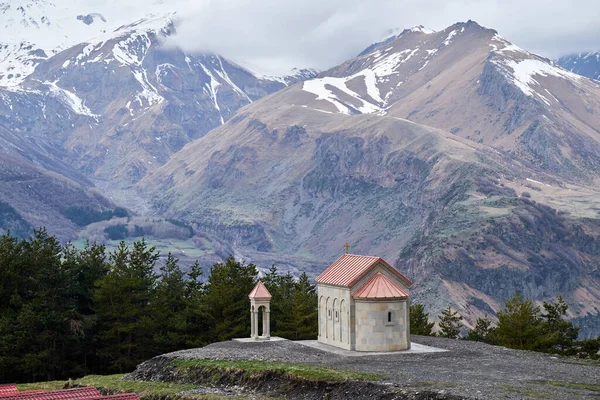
[(276, 35)]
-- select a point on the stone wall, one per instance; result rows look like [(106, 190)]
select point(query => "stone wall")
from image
[(381, 325), (336, 316)]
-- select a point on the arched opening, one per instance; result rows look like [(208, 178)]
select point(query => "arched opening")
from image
[(261, 317), (336, 316), (321, 315), (328, 317), (342, 320), (389, 316)]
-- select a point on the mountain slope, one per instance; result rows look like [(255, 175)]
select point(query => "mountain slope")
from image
[(586, 64), (91, 99), (335, 159), (131, 102)]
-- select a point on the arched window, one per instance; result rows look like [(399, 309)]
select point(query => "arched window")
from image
[(390, 318)]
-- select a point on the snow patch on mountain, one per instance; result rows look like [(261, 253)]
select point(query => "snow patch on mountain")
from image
[(213, 87), (525, 73), (319, 88), (69, 99), (449, 38)]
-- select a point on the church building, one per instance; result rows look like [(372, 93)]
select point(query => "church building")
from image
[(364, 305)]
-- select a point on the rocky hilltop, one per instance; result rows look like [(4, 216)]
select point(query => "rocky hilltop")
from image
[(465, 370)]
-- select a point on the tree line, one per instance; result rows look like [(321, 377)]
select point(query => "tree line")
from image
[(521, 325), (65, 312)]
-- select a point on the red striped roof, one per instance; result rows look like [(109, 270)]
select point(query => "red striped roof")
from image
[(350, 268), (260, 292), (8, 389), (4, 395), (84, 393), (380, 287)]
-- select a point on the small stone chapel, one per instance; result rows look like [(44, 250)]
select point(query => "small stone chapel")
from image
[(364, 305)]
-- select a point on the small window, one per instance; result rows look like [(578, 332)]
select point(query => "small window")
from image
[(390, 318), (329, 313), (337, 316)]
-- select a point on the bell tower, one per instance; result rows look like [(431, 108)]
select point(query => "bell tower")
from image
[(260, 302)]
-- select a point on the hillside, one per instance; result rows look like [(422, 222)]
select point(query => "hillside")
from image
[(445, 153)]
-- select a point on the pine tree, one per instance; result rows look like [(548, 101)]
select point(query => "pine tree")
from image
[(48, 321), (559, 334), (481, 331), (419, 321), (450, 323), (12, 291), (303, 321), (196, 314), (518, 325), (282, 288), (122, 304), (168, 307), (226, 299)]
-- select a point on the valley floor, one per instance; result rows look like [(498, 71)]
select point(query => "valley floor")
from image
[(466, 370)]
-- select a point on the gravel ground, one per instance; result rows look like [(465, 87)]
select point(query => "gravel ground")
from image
[(469, 369)]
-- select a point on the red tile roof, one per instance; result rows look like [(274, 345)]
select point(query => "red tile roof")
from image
[(8, 389), (260, 292), (380, 287), (3, 396), (84, 393), (349, 268)]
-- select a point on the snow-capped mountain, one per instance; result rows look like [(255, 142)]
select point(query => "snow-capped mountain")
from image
[(470, 81), (90, 98), (34, 30), (586, 64), (129, 102)]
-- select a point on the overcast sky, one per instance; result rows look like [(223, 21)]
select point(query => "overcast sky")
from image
[(276, 35)]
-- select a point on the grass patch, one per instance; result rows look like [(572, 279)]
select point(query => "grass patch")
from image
[(305, 371), (572, 385), (525, 392), (52, 385), (115, 384)]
